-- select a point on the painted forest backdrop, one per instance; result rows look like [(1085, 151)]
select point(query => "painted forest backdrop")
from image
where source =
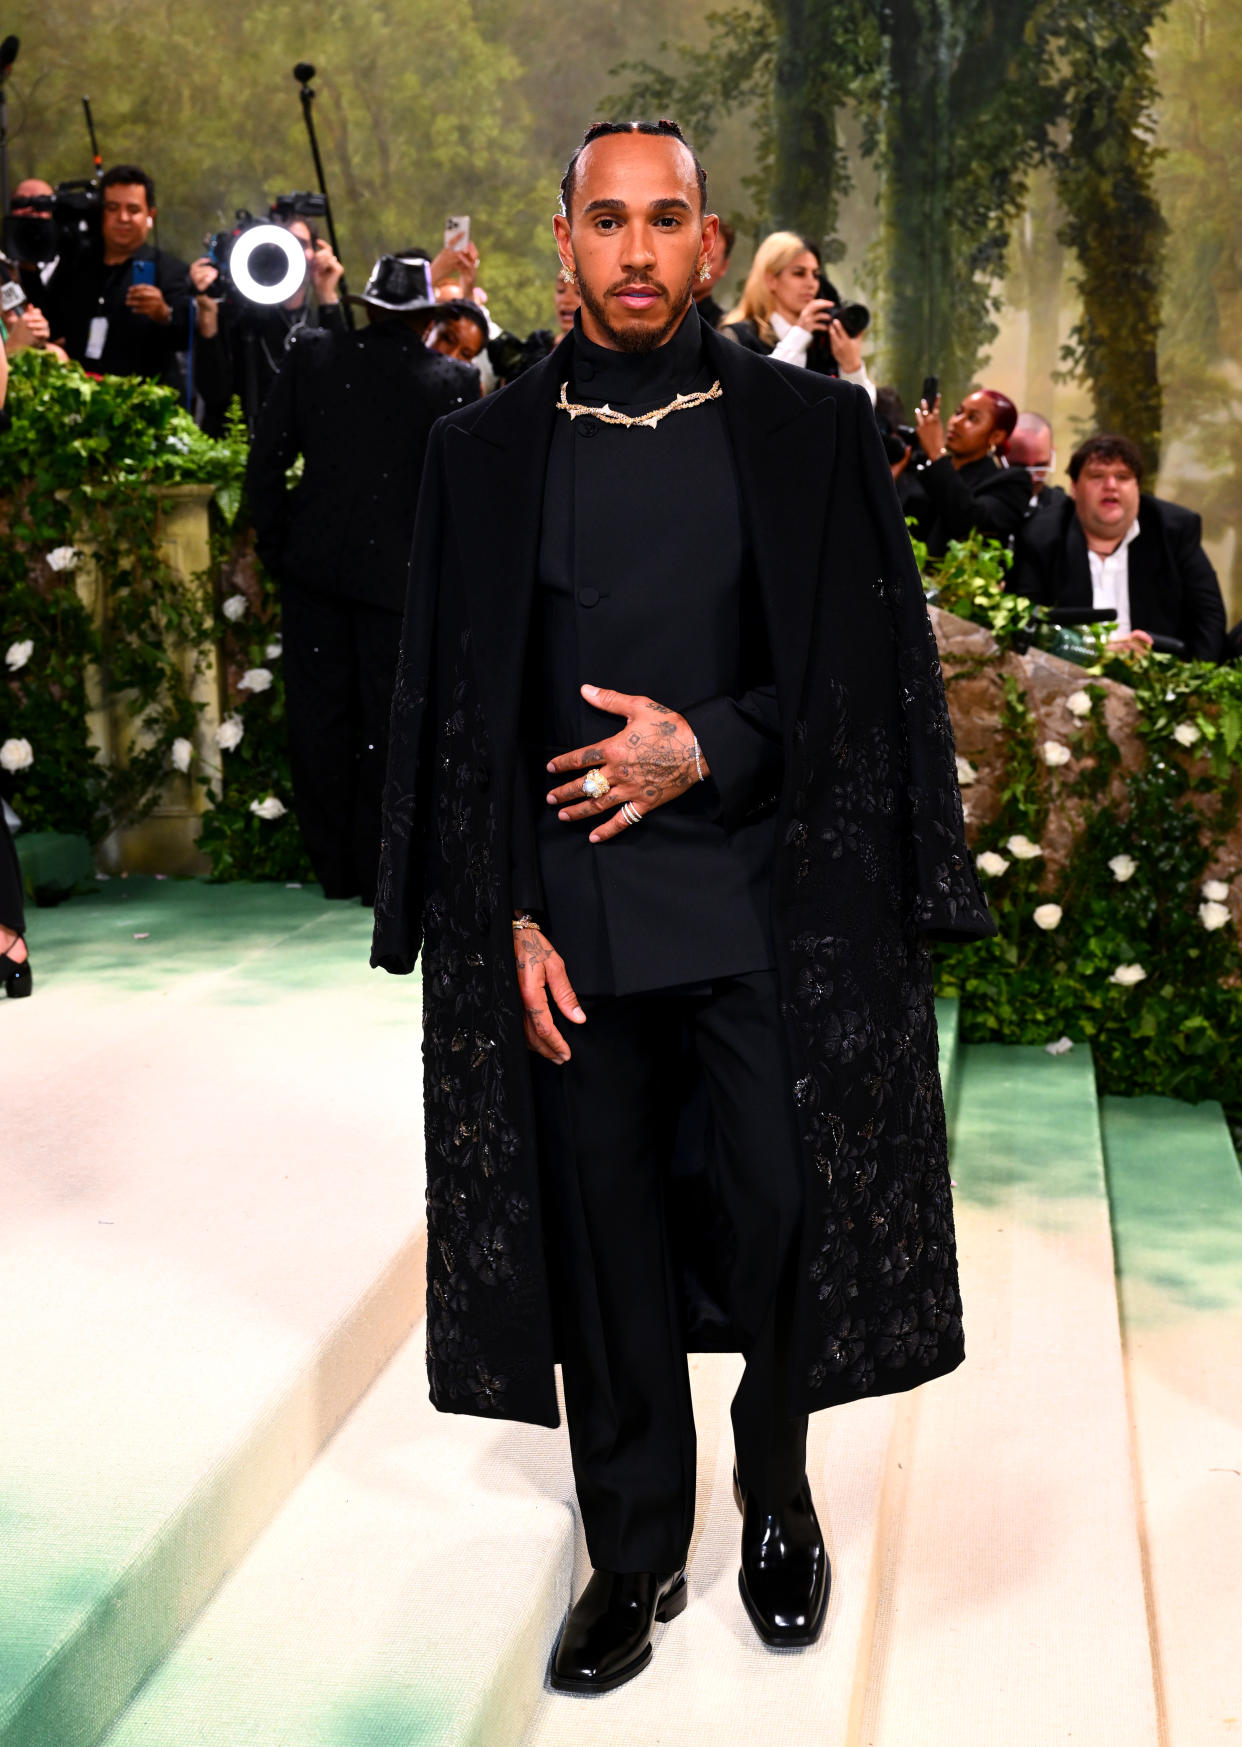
[(1039, 194)]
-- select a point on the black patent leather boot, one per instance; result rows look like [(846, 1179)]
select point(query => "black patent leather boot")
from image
[(15, 978), (785, 1575), (606, 1639)]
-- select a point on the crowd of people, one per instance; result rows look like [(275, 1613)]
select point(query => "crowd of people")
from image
[(358, 409)]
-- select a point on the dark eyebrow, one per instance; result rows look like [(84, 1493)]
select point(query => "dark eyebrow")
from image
[(671, 204)]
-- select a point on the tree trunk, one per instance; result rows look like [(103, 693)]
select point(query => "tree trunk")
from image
[(804, 121)]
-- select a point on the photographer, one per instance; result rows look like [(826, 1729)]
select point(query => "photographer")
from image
[(121, 307), (240, 346), (783, 310), (31, 203), (967, 484), (359, 409)]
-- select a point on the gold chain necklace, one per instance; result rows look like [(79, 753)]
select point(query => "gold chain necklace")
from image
[(609, 416)]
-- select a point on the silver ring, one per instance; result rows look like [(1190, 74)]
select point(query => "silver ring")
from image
[(630, 813)]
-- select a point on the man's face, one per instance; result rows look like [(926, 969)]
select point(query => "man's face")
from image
[(26, 191), (126, 218), (1031, 447), (461, 338), (1106, 496), (635, 238)]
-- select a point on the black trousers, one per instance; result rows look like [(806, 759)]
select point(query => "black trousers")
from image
[(608, 1134), (340, 665), (12, 897)]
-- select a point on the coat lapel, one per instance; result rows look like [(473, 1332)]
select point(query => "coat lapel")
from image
[(785, 449), (495, 468)]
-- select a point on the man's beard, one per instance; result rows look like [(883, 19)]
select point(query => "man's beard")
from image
[(639, 337)]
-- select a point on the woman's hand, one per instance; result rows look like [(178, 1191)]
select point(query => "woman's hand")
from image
[(817, 317), (541, 973), (845, 348), (930, 428), (649, 763)]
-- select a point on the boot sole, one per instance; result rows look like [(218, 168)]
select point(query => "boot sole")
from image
[(674, 1603)]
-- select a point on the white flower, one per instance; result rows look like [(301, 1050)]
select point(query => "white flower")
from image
[(275, 650), (182, 753), (234, 607), (228, 735), (1078, 704), (1124, 867), (268, 808), (18, 654), (255, 679), (1062, 1046), (1128, 974), (1185, 733), (1048, 916), (966, 772), (1055, 753), (16, 755), (1215, 891), (1023, 848), (63, 558), (1213, 916), (991, 864), (176, 441)]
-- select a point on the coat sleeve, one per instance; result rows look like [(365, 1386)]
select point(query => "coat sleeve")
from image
[(949, 901), (407, 790), (1203, 607), (997, 508), (741, 740)]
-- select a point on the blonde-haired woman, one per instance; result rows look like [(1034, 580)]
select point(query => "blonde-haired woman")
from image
[(781, 311)]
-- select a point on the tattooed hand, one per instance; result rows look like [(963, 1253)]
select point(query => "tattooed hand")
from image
[(650, 762), (541, 972)]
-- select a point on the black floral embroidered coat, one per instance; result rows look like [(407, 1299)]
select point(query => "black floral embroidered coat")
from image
[(871, 860)]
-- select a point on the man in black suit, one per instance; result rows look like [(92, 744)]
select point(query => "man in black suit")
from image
[(1031, 447), (1115, 547), (669, 723), (359, 410)]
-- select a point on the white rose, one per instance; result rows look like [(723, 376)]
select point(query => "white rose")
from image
[(1062, 1046), (268, 808), (1078, 704), (18, 654), (255, 679), (182, 753), (63, 558), (1055, 753), (229, 734), (275, 650), (16, 755), (1216, 891), (1213, 916), (1124, 867), (966, 772), (991, 864), (1185, 733), (1128, 974), (1048, 916), (1023, 848), (234, 607)]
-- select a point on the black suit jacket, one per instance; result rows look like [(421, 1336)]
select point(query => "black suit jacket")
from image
[(1173, 587), (950, 503), (359, 409), (83, 287)]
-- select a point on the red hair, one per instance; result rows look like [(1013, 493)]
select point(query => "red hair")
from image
[(1004, 416)]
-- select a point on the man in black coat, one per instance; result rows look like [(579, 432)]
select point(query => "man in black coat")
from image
[(1115, 547), (358, 409), (672, 806)]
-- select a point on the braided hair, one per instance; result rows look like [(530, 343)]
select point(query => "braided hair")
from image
[(599, 129)]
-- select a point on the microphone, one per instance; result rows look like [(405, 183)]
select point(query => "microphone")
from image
[(8, 53), (303, 72)]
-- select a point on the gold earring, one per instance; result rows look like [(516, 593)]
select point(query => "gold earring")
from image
[(705, 271), (571, 278)]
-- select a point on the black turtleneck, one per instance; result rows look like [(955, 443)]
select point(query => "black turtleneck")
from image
[(646, 586)]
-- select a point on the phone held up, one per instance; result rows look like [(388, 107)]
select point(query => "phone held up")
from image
[(931, 392), (456, 233), (143, 273)]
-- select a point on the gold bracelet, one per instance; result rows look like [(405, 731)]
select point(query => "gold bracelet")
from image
[(525, 920)]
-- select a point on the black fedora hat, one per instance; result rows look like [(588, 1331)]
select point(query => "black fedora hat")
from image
[(399, 282)]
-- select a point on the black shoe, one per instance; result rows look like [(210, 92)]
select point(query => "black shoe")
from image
[(785, 1574), (606, 1639), (15, 978)]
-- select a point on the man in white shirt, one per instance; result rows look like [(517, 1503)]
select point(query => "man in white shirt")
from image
[(1113, 546)]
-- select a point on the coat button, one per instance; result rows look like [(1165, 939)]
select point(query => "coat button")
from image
[(588, 597), (589, 428)]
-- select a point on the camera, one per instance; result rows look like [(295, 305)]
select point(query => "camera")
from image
[(855, 318), (301, 204), (61, 224), (258, 261)]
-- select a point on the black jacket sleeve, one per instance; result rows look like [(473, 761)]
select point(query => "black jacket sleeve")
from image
[(997, 508), (276, 444), (528, 893), (1203, 607), (741, 740)]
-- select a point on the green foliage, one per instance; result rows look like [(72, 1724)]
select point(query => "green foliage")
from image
[(1175, 1031), (83, 464)]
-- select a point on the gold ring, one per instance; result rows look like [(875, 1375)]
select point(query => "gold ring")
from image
[(595, 784)]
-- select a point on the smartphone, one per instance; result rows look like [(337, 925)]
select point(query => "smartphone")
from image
[(456, 233), (143, 273), (931, 391)]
